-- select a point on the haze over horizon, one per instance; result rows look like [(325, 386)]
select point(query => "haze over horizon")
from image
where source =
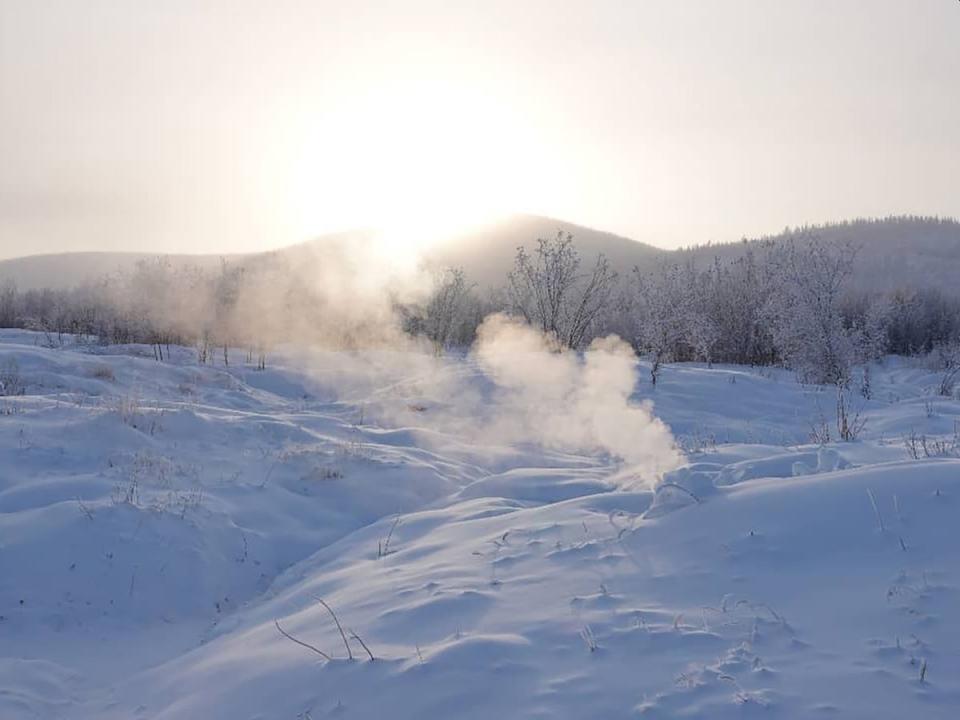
[(232, 127)]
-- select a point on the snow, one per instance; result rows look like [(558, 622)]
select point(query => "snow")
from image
[(158, 519)]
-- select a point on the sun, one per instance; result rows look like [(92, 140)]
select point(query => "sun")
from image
[(417, 163)]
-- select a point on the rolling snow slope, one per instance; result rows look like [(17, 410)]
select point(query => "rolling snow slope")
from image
[(159, 520)]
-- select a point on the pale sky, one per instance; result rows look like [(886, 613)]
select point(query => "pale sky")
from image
[(220, 126)]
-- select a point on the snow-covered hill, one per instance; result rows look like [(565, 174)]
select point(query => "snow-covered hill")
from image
[(895, 253), (162, 525)]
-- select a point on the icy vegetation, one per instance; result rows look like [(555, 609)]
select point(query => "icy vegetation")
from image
[(507, 532)]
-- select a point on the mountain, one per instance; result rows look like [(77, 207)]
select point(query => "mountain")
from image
[(894, 252), (487, 254), (65, 270)]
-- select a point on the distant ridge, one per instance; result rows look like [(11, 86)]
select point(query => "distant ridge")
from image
[(487, 254), (897, 251), (64, 270)]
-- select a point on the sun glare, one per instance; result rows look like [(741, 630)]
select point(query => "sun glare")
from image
[(417, 164)]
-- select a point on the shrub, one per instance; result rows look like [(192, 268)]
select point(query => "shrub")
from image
[(11, 382), (103, 372)]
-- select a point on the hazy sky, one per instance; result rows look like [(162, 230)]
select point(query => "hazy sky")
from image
[(216, 126)]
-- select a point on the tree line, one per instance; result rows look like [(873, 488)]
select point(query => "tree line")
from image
[(785, 303)]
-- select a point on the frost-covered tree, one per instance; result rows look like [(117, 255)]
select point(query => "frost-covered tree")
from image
[(151, 292), (947, 358), (9, 305), (682, 312), (921, 320), (805, 312), (450, 314), (549, 290), (699, 303), (660, 330), (445, 308), (742, 333), (226, 293)]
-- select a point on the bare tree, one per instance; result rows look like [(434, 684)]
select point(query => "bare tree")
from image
[(226, 294), (548, 290), (948, 361), (446, 307), (9, 310)]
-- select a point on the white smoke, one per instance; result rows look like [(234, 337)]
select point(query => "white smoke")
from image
[(339, 310), (570, 401), (512, 389)]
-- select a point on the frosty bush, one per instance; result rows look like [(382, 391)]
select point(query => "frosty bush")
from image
[(11, 383), (948, 362), (449, 315)]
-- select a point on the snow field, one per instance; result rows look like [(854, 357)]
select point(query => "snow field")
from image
[(158, 521)]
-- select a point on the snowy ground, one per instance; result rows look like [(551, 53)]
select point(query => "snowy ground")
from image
[(159, 520)]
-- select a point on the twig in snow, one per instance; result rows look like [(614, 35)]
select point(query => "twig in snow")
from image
[(383, 548), (743, 697), (678, 487), (588, 638), (266, 478), (84, 509), (876, 509), (339, 626), (246, 548), (776, 616), (356, 637), (620, 529), (290, 637)]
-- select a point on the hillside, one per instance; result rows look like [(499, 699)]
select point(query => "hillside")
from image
[(894, 252), (488, 254), (66, 270)]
